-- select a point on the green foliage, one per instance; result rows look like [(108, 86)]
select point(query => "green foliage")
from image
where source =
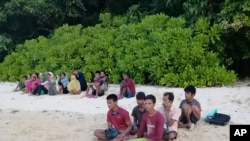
[(157, 50)]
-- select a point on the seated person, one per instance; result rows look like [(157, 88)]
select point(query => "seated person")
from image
[(127, 87), (80, 77), (190, 109), (52, 84), (44, 86), (21, 85), (33, 83), (152, 122), (118, 118), (74, 86), (97, 87), (138, 112), (105, 80), (171, 115), (63, 83)]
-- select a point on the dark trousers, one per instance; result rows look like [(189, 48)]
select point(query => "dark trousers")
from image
[(39, 90)]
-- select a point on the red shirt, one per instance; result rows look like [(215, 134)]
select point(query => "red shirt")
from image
[(154, 125), (119, 118), (130, 84)]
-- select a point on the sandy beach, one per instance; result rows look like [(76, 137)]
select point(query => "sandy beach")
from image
[(71, 118)]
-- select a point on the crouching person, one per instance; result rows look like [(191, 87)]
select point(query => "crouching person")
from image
[(118, 119)]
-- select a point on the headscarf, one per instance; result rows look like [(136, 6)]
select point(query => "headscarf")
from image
[(74, 84), (65, 80)]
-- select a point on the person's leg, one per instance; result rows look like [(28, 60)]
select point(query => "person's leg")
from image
[(90, 86), (186, 112), (100, 134), (65, 90), (128, 93), (170, 136), (43, 89), (36, 91), (98, 90)]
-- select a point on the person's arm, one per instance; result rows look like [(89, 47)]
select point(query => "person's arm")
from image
[(159, 129), (196, 110), (45, 83), (142, 127), (134, 116), (109, 120), (172, 119), (128, 129), (128, 122)]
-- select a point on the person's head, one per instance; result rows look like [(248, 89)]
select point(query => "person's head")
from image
[(62, 75), (125, 75), (140, 98), (24, 78), (49, 75), (34, 76), (112, 101), (168, 98), (150, 101), (190, 92), (97, 74), (102, 73), (75, 72)]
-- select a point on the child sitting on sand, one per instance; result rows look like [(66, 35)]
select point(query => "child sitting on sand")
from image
[(190, 109)]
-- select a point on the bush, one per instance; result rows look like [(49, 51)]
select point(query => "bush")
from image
[(158, 50)]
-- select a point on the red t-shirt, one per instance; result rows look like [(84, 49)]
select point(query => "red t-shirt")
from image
[(119, 118), (154, 125), (130, 84)]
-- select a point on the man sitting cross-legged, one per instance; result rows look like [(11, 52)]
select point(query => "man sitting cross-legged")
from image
[(118, 118)]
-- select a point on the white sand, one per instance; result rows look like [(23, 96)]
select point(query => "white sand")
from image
[(71, 118)]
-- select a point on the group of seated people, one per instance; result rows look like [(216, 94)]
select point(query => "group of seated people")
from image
[(48, 83), (149, 123)]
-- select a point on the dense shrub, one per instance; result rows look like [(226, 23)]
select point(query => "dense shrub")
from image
[(158, 50)]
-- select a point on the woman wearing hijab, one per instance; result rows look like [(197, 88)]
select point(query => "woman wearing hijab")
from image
[(52, 84), (63, 83), (74, 86)]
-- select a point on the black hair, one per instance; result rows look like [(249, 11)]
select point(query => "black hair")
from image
[(127, 74), (98, 72), (170, 96), (112, 97), (25, 76), (140, 96), (63, 73), (151, 97), (37, 74), (191, 89)]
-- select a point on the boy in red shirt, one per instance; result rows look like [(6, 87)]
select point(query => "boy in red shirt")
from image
[(118, 118), (127, 86), (152, 122)]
